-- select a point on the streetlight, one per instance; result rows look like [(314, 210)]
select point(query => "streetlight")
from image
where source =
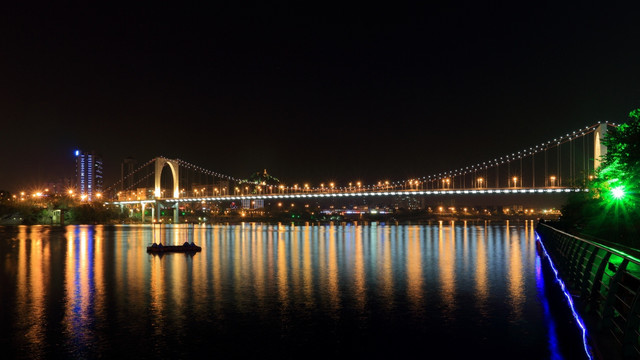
[(480, 180), (553, 180), (515, 181)]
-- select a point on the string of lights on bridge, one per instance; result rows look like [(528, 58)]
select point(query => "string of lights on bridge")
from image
[(393, 185), (511, 157), (130, 175)]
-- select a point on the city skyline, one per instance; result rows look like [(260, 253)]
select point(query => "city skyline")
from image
[(308, 95)]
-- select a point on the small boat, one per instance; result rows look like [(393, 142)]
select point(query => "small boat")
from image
[(186, 247)]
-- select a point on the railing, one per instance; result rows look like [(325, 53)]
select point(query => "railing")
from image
[(607, 282)]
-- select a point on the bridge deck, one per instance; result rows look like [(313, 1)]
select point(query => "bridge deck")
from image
[(303, 195)]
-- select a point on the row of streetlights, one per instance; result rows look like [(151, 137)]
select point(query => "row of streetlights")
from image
[(447, 183)]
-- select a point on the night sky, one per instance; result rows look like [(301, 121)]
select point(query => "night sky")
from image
[(313, 93)]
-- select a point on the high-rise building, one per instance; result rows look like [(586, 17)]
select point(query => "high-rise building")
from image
[(88, 174), (126, 170)]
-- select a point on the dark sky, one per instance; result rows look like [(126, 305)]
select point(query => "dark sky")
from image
[(310, 93)]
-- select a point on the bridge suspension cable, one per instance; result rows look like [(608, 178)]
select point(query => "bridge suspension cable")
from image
[(554, 167)]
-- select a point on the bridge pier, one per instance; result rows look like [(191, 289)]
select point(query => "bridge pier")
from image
[(175, 213), (143, 205)]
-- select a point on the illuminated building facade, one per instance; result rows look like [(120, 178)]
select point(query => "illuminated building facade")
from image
[(88, 174)]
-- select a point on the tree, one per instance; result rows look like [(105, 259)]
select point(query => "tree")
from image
[(610, 210), (619, 175)]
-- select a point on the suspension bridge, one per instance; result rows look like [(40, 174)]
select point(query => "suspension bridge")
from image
[(562, 165)]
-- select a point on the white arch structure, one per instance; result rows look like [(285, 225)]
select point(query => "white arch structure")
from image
[(600, 150), (175, 171)]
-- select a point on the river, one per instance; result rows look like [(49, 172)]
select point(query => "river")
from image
[(453, 289)]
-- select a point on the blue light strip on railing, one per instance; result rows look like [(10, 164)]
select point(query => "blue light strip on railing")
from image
[(569, 299)]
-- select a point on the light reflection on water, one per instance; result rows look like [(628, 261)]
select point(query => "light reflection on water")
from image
[(88, 290)]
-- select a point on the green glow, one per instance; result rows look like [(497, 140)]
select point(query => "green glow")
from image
[(618, 192)]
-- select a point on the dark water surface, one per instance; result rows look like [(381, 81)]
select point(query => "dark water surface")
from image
[(448, 289)]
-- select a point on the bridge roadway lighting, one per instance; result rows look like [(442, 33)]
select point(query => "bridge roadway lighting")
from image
[(480, 180), (553, 180), (515, 181), (359, 185)]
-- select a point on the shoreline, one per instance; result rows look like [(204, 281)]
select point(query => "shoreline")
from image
[(297, 222)]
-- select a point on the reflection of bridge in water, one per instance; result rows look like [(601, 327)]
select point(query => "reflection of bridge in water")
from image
[(562, 165)]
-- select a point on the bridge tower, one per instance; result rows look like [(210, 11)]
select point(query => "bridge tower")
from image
[(175, 172), (600, 150)]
